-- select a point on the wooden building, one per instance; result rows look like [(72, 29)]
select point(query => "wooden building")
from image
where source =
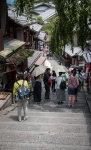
[(13, 55)]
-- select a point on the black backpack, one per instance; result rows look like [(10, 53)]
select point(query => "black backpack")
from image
[(63, 85)]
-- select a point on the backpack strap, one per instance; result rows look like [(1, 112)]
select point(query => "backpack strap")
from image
[(23, 82), (18, 83)]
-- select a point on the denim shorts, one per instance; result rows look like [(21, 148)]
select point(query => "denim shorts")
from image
[(72, 91)]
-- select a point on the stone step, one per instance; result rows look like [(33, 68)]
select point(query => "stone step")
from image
[(51, 119), (37, 146), (61, 109), (55, 105), (35, 113), (64, 139), (45, 127)]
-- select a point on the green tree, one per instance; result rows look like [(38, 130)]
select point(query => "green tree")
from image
[(24, 6), (39, 18), (71, 14)]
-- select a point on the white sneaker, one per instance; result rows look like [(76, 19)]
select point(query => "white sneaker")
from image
[(25, 118), (19, 120)]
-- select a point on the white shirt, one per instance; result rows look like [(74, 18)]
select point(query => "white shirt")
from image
[(58, 81)]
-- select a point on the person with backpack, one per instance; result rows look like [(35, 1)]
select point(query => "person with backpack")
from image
[(73, 83), (20, 92), (60, 90), (53, 80)]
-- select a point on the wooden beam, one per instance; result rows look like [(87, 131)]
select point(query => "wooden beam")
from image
[(1, 41)]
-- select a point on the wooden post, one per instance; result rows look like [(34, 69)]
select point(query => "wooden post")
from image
[(1, 41)]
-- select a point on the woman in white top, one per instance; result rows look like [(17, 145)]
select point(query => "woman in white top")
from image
[(59, 92)]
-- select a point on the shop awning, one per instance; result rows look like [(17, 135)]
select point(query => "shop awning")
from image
[(10, 47), (40, 61)]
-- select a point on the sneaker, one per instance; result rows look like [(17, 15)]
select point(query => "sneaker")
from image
[(39, 102), (73, 106), (19, 120), (25, 118), (60, 103), (69, 105)]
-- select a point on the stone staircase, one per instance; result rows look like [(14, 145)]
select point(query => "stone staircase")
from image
[(49, 127)]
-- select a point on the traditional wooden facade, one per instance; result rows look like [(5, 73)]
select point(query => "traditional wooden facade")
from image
[(74, 57), (12, 57)]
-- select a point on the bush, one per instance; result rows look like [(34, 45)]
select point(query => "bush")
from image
[(39, 18)]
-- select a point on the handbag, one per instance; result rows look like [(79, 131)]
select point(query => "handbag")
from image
[(49, 80)]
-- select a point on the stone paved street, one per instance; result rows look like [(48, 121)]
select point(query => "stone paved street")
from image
[(49, 126)]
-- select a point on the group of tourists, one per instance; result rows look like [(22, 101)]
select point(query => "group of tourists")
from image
[(73, 81)]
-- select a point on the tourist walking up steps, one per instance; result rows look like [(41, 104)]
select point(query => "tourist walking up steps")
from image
[(20, 91), (60, 93), (73, 83)]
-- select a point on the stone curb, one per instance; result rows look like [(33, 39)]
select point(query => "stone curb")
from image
[(88, 100), (8, 109)]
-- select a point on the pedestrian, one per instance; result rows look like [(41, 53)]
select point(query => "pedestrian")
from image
[(73, 83), (60, 93), (38, 88), (83, 77), (53, 77), (33, 87), (47, 83), (21, 102), (64, 76), (80, 78)]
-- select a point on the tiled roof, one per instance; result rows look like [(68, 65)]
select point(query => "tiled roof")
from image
[(41, 3), (32, 60), (41, 36), (22, 20), (87, 56), (47, 14), (36, 27), (19, 56), (76, 50), (11, 45)]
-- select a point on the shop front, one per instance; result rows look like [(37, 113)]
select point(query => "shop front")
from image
[(87, 57)]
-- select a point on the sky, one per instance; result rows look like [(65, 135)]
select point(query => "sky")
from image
[(10, 1)]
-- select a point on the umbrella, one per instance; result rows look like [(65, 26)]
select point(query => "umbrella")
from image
[(70, 69), (38, 70), (76, 67), (59, 68), (50, 63)]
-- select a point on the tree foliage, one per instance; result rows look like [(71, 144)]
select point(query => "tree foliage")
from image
[(24, 6), (72, 15), (40, 20)]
